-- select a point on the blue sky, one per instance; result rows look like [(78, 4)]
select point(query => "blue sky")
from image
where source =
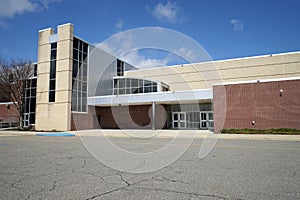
[(225, 28)]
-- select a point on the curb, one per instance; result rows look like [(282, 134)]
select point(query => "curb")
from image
[(63, 134)]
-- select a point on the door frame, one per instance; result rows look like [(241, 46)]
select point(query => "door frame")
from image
[(180, 121), (209, 122)]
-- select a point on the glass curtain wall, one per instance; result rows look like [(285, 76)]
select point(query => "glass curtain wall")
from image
[(79, 76), (134, 86)]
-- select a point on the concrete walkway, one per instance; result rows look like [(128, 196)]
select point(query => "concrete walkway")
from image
[(160, 134)]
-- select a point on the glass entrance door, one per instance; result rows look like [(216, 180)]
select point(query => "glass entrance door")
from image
[(179, 120), (206, 120)]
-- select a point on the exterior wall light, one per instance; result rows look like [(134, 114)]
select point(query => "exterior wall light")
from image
[(7, 106), (280, 92), (253, 122)]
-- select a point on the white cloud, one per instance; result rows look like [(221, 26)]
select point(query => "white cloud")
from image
[(169, 12), (136, 59), (10, 8), (237, 25), (119, 25), (186, 54), (123, 47)]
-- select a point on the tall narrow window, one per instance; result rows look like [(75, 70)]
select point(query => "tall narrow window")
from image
[(52, 78), (120, 68), (79, 76)]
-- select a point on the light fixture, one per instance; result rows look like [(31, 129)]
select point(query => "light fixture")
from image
[(280, 92)]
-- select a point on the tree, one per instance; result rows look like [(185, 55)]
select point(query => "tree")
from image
[(13, 77)]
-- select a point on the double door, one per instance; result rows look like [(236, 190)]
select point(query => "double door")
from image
[(206, 120), (203, 120), (179, 120)]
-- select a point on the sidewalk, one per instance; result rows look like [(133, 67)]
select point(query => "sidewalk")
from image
[(159, 134)]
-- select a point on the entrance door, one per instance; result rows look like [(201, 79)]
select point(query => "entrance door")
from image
[(179, 120), (206, 120)]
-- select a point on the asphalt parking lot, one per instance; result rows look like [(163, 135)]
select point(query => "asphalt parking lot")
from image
[(35, 167)]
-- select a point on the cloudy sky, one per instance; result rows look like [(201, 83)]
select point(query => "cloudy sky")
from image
[(224, 28)]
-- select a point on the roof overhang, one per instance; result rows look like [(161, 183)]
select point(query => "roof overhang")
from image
[(170, 97)]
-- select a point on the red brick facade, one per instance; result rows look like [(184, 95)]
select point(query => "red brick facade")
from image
[(268, 104), (8, 113), (124, 117)]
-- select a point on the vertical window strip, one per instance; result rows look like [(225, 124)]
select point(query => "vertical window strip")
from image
[(52, 75), (79, 76)]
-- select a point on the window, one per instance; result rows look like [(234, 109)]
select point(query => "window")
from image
[(120, 68), (30, 102), (79, 76), (52, 75), (134, 86)]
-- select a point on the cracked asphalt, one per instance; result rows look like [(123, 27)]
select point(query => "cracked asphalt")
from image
[(61, 168)]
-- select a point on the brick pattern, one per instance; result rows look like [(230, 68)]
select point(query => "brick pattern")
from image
[(119, 117), (8, 115), (131, 117), (259, 102), (83, 121)]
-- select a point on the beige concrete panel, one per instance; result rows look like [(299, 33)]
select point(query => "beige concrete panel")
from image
[(191, 77), (183, 69), (208, 66), (64, 49), (258, 61), (247, 62), (41, 117), (252, 79), (42, 97), (189, 86), (43, 68), (291, 57), (44, 53), (44, 36), (64, 65), (63, 96), (50, 117), (60, 116), (287, 75), (251, 71), (63, 80), (151, 72), (42, 82), (65, 32), (291, 68)]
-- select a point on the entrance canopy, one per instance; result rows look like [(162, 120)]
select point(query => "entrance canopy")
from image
[(148, 98)]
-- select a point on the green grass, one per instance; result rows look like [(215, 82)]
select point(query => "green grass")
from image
[(278, 131)]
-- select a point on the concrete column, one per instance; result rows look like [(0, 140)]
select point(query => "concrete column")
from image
[(153, 115)]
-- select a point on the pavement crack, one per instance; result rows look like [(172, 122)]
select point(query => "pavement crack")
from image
[(125, 181), (14, 184), (184, 193), (163, 178), (128, 184), (54, 185)]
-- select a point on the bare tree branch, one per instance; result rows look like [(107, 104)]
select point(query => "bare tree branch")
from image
[(13, 78)]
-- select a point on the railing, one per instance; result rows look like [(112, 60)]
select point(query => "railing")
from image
[(8, 122)]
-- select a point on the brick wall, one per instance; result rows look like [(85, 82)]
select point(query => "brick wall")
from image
[(259, 102), (83, 121), (131, 117), (123, 117), (8, 115)]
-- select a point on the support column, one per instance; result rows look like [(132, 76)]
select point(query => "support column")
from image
[(153, 115)]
